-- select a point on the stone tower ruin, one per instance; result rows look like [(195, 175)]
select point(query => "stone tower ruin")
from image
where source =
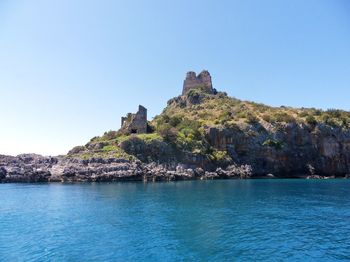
[(203, 81), (135, 123)]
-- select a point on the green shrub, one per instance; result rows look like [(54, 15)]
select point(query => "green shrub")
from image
[(149, 137), (221, 158), (222, 94), (225, 116), (108, 148), (303, 114), (316, 112), (174, 121), (345, 122), (203, 115), (273, 143), (283, 117), (311, 120), (194, 94), (110, 135), (328, 120), (331, 122), (241, 114), (252, 119), (168, 132), (267, 118), (334, 113), (260, 107)]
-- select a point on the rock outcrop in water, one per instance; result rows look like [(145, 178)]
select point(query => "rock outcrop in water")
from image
[(203, 134)]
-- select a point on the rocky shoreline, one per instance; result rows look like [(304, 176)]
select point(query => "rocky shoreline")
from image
[(32, 168)]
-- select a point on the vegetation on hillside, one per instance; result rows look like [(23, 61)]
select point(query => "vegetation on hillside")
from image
[(221, 110), (180, 130)]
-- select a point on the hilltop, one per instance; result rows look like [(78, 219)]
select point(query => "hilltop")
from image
[(209, 129), (202, 134)]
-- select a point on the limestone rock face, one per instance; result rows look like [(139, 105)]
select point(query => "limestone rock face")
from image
[(298, 151), (203, 80), (148, 152), (301, 151), (25, 168), (36, 168)]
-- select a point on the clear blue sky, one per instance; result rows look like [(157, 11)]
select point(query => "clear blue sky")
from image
[(70, 69)]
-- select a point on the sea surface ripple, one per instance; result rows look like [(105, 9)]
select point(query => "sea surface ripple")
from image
[(223, 220)]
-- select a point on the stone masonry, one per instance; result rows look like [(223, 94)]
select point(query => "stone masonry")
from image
[(203, 80), (135, 123)]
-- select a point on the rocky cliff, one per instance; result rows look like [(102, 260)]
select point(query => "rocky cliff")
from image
[(204, 135)]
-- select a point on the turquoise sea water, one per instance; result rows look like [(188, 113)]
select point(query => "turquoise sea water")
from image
[(225, 220)]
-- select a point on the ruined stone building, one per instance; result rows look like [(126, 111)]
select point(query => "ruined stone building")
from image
[(203, 80), (135, 123)]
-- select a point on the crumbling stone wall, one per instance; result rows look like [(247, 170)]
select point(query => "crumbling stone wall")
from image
[(135, 123), (203, 80)]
